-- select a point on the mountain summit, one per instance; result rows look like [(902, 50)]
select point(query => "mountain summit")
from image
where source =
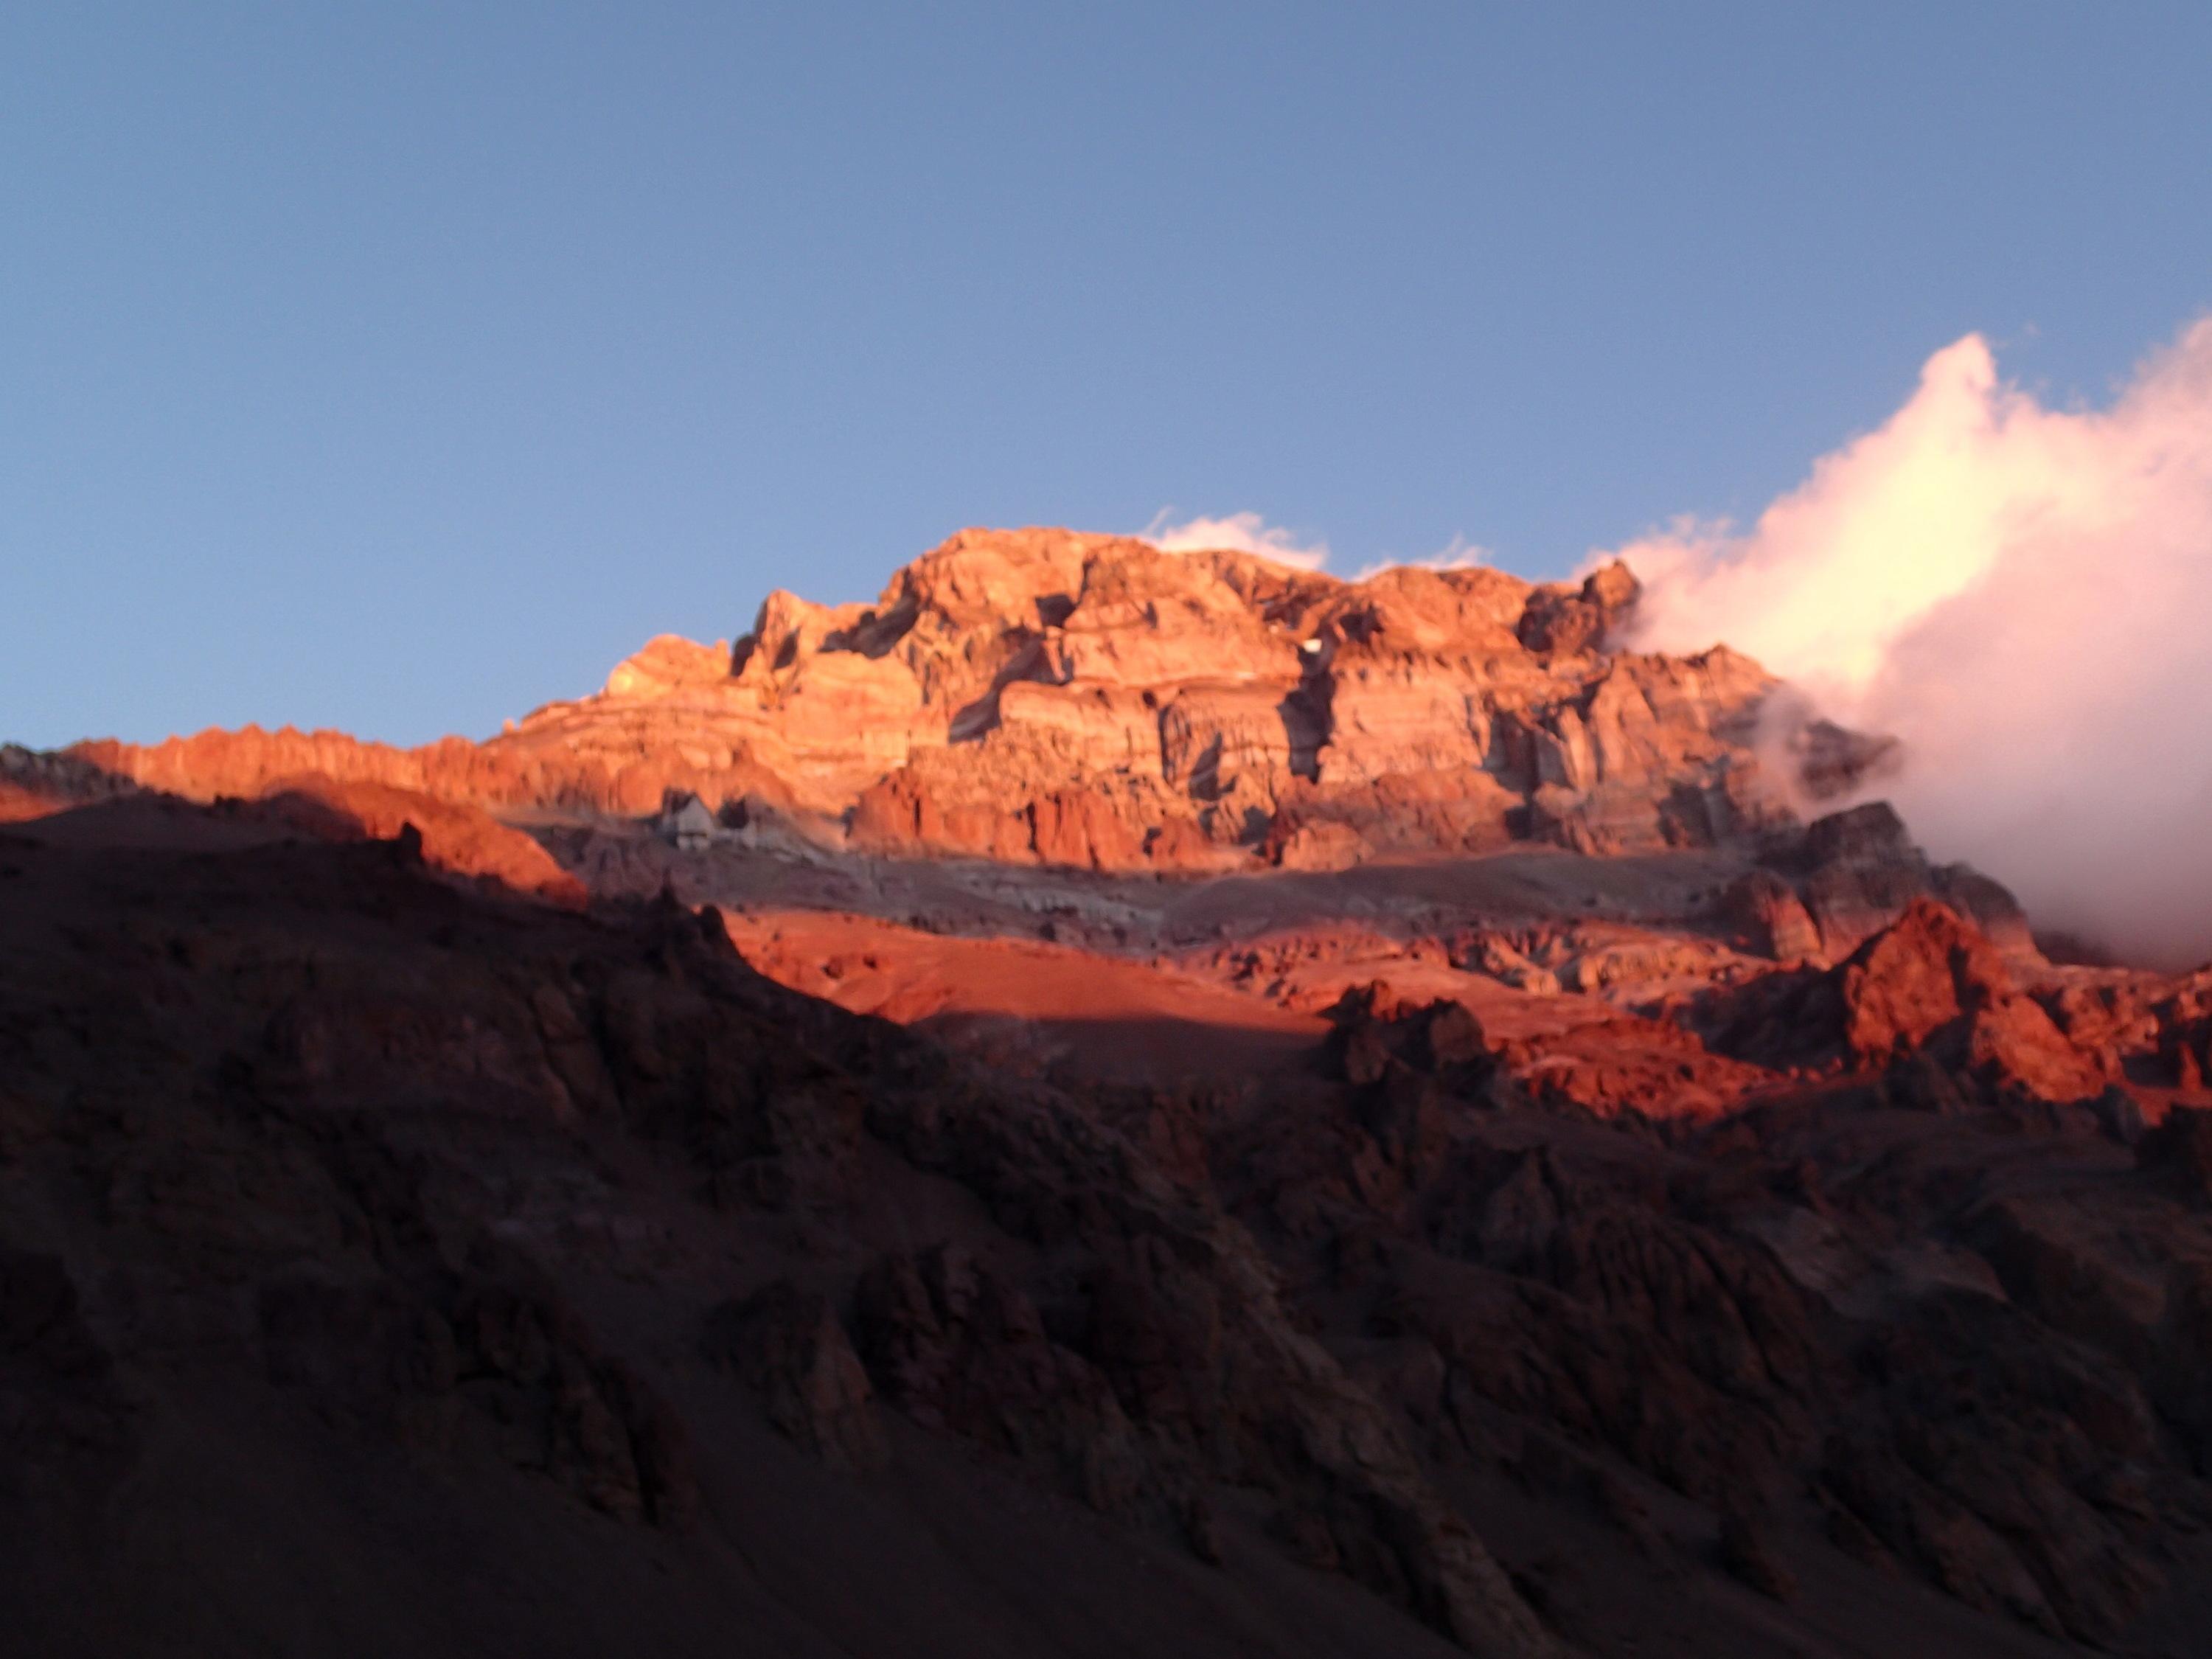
[(1048, 696)]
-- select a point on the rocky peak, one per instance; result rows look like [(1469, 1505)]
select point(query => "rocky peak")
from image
[(1559, 620), (1047, 695), (669, 664)]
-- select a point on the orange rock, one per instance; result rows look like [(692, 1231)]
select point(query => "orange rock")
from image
[(1049, 695), (459, 839), (1931, 975)]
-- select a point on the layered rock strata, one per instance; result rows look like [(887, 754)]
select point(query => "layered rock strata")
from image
[(1045, 696)]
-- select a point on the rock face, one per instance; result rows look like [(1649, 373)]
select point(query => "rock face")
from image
[(1040, 695), (1764, 913), (1852, 873)]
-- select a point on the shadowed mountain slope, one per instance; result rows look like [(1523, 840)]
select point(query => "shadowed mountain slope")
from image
[(392, 1265)]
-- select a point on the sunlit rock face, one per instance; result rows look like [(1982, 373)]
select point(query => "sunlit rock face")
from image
[(1043, 696)]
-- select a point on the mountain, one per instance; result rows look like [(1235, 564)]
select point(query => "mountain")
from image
[(1176, 1106), (1040, 695)]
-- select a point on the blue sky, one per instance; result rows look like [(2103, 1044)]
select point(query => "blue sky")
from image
[(399, 368)]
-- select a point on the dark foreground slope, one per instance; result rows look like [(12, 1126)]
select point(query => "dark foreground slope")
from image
[(387, 1267), (383, 1271)]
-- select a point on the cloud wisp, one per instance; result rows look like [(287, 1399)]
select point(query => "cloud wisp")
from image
[(1248, 532), (2022, 594), (1239, 533), (1460, 555)]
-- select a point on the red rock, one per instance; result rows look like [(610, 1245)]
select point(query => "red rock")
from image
[(1929, 988), (452, 836), (1765, 913), (1561, 623), (1924, 971), (1084, 831)]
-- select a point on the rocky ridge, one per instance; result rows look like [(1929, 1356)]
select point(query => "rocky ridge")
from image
[(1047, 697)]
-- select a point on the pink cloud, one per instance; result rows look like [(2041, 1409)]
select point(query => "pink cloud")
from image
[(2023, 594)]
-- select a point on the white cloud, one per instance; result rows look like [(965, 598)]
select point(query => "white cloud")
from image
[(1239, 532), (2023, 594)]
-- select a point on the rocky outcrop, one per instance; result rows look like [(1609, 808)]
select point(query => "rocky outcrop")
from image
[(450, 836), (1763, 914), (1933, 983), (35, 784), (1854, 871), (1554, 621), (1931, 989), (957, 1347), (669, 664), (1374, 1036)]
